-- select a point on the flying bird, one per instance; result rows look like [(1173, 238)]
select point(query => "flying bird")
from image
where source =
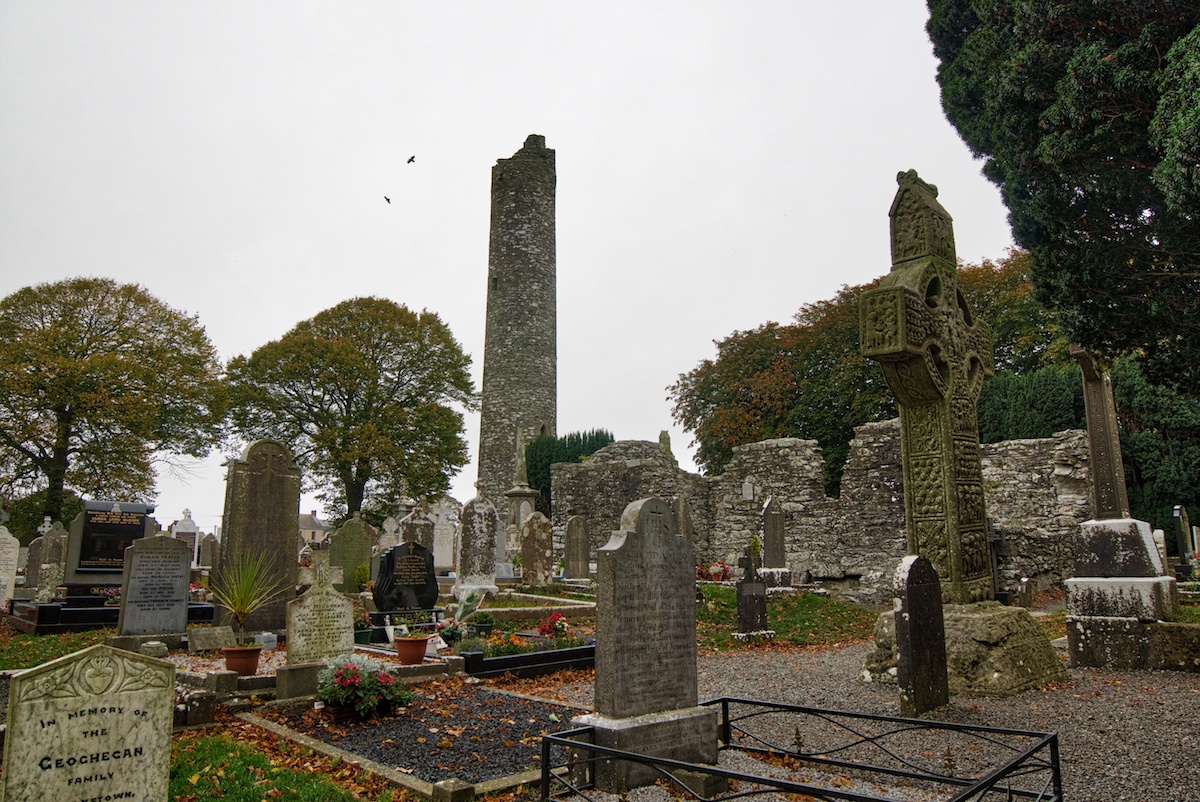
[(411, 159), (386, 198)]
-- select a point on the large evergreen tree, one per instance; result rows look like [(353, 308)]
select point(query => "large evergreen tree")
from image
[(367, 396), (97, 381), (1088, 116)]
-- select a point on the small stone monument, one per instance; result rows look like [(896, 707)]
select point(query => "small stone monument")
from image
[(479, 530), (185, 529), (774, 571), (920, 638), (935, 356), (208, 552), (445, 513), (576, 549), (262, 516), (350, 547), (752, 610), (390, 536), (537, 552), (417, 527), (95, 724), (10, 549), (98, 538), (154, 587), (49, 547), (522, 501), (321, 621), (646, 693), (1183, 543), (50, 578)]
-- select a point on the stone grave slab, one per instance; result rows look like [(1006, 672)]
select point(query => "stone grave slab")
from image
[(50, 547), (920, 638), (645, 687), (350, 547), (95, 724), (577, 549), (10, 551), (537, 551), (154, 587), (320, 622), (479, 529), (752, 610), (210, 639)]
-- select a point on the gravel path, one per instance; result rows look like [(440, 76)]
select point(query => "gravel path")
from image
[(1129, 736)]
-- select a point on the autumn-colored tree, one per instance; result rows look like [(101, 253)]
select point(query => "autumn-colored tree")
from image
[(367, 395), (98, 380)]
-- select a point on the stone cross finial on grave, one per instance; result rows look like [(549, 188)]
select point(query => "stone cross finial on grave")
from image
[(45, 526), (1110, 501), (935, 356), (320, 573)]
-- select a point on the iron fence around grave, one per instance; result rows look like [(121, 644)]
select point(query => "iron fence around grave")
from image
[(834, 755)]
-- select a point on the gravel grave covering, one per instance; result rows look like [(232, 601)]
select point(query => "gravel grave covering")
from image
[(451, 729)]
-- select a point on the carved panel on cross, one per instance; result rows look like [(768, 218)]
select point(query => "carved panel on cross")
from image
[(931, 543), (928, 486), (925, 429), (881, 322)]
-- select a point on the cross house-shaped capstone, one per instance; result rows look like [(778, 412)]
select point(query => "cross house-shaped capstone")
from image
[(935, 356)]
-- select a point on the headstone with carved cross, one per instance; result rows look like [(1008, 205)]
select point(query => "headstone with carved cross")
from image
[(320, 622), (935, 356)]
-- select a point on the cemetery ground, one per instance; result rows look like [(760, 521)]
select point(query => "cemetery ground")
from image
[(1123, 735)]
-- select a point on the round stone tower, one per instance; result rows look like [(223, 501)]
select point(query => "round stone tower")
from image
[(520, 352)]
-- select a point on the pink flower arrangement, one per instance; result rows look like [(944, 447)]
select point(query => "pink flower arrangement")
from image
[(363, 684)]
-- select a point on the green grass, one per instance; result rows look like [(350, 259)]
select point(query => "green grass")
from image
[(1054, 625), (18, 650), (1188, 614), (800, 619), (213, 767)]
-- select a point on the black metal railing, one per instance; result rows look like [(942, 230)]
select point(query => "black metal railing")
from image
[(833, 755)]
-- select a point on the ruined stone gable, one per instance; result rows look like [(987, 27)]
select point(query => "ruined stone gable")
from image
[(1035, 491)]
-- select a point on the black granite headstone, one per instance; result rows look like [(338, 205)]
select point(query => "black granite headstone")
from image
[(920, 638), (752, 605), (406, 580)]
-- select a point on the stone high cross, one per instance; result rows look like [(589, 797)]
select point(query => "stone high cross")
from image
[(935, 356)]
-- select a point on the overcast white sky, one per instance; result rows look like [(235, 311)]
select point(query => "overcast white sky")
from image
[(719, 165)]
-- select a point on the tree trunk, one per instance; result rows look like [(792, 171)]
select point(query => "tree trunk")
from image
[(56, 472)]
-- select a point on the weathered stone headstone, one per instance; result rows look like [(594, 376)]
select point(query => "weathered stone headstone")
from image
[(50, 547), (445, 513), (1183, 543), (390, 535), (95, 724), (50, 578), (645, 687), (406, 579), (683, 522), (262, 511), (1109, 497), (350, 547), (537, 551), (479, 528), (576, 549), (185, 529), (935, 356), (417, 527), (209, 639), (920, 638), (752, 608), (98, 538), (154, 587), (774, 554), (320, 622), (10, 549), (208, 552)]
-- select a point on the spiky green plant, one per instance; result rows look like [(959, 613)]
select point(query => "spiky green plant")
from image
[(245, 586)]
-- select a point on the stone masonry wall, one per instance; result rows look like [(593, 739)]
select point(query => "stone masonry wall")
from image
[(1036, 496)]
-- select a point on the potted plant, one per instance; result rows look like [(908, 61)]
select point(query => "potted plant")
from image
[(112, 597), (362, 625), (244, 587), (361, 685), (410, 648), (450, 630), (484, 623)]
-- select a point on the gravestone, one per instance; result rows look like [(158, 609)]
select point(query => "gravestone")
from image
[(95, 724), (774, 570), (920, 638), (50, 547), (406, 579), (350, 547), (10, 550), (320, 622), (935, 356), (209, 639), (1110, 500), (1183, 543), (479, 528), (262, 516), (417, 527), (577, 549), (390, 536), (208, 552), (50, 578), (445, 513), (185, 529), (98, 538), (683, 523), (645, 687), (752, 609), (154, 587), (537, 552)]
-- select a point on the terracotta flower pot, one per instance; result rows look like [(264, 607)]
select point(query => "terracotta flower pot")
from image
[(242, 659), (411, 651)]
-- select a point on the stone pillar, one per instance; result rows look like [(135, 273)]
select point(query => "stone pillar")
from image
[(1110, 500), (577, 549), (920, 638), (520, 349)]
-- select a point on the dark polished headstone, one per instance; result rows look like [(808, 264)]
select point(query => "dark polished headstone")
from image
[(407, 580), (751, 606), (920, 638)]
